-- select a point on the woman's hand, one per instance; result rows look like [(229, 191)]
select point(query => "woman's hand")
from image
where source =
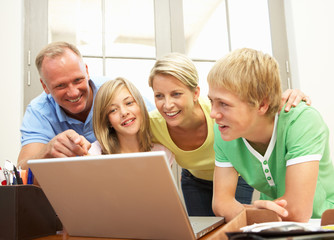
[(292, 98)]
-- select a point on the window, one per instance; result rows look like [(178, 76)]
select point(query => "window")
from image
[(116, 38), (123, 37), (215, 27)]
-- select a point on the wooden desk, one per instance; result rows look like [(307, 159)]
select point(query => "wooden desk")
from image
[(246, 217), (218, 233)]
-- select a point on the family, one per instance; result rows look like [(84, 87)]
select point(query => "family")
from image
[(246, 134)]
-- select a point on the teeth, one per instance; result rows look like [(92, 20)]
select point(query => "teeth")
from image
[(127, 122), (172, 114), (74, 100)]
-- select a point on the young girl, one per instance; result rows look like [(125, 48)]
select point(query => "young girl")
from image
[(121, 121)]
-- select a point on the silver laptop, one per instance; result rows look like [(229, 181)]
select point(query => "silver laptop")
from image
[(131, 195)]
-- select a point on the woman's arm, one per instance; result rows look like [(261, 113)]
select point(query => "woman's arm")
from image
[(224, 186), (292, 98)]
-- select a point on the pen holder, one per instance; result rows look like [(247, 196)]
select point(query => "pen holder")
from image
[(26, 213)]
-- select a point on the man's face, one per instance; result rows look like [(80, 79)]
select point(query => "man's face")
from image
[(66, 79), (235, 118)]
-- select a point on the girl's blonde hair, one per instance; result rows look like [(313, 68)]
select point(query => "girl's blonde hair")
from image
[(104, 133), (250, 74)]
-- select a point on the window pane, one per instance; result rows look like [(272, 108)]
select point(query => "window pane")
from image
[(78, 22), (205, 29), (249, 23), (203, 69), (136, 71), (95, 66), (130, 28)]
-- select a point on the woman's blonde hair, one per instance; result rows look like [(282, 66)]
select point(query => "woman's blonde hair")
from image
[(104, 133), (177, 65), (250, 74)]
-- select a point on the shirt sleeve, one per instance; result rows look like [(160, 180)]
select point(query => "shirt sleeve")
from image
[(220, 157), (307, 137), (170, 155), (95, 149), (35, 128)]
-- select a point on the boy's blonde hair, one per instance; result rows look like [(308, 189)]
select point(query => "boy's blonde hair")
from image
[(250, 74), (104, 133), (177, 65)]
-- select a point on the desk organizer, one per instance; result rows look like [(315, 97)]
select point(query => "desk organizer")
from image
[(25, 213)]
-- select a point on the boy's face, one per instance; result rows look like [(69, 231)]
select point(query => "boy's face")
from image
[(235, 118)]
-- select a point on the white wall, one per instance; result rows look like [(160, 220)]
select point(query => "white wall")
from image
[(11, 65), (311, 47)]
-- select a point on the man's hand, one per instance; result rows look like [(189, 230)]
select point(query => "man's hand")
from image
[(66, 144)]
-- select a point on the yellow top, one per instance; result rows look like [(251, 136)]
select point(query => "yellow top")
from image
[(201, 161)]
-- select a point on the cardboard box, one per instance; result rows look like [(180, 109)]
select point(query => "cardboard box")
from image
[(245, 218), (251, 216), (327, 217), (26, 213)]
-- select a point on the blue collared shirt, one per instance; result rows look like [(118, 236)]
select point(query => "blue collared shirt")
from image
[(44, 118)]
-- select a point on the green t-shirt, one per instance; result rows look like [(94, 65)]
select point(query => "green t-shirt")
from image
[(299, 135)]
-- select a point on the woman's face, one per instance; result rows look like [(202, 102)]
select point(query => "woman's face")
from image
[(124, 113), (174, 100)]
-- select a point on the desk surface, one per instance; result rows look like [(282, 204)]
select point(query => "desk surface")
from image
[(217, 233)]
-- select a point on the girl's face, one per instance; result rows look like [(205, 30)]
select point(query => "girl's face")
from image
[(235, 118), (124, 113), (174, 100)]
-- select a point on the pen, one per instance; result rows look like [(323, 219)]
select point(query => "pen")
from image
[(17, 175), (14, 180), (30, 177)]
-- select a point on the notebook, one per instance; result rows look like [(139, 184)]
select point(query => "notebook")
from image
[(130, 195)]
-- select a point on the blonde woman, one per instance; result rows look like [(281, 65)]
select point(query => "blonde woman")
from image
[(121, 122)]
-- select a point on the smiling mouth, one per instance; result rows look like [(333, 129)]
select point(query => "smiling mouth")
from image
[(222, 126), (172, 114), (74, 100), (128, 121)]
